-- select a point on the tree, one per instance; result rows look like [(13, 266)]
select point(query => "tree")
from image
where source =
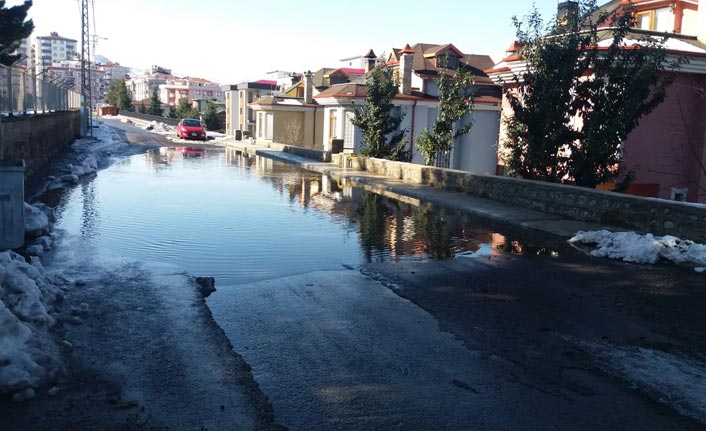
[(455, 101), (142, 109), (13, 28), (184, 110), (576, 103), (155, 106), (210, 117), (118, 95), (382, 137)]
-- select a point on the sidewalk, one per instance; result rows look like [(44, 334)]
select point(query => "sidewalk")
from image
[(487, 208)]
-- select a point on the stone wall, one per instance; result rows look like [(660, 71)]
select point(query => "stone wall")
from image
[(661, 217), (36, 139)]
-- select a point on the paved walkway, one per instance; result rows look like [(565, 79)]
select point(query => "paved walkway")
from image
[(484, 207)]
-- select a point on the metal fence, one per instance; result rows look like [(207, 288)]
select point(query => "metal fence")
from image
[(24, 93)]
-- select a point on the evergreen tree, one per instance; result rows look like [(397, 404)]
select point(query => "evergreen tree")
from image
[(142, 109), (455, 101), (382, 137), (13, 28), (118, 95), (155, 107), (210, 117), (568, 79), (184, 109)]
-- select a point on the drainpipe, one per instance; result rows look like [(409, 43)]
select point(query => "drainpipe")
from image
[(411, 135)]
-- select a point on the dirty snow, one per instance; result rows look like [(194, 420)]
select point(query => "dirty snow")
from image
[(672, 379), (29, 353), (90, 151), (639, 248)]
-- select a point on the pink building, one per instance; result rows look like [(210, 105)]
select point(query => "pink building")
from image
[(667, 150), (191, 89)]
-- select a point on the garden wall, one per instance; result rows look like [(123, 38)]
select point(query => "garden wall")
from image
[(661, 217)]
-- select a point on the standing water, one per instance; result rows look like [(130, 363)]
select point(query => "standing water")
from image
[(331, 348), (215, 212)]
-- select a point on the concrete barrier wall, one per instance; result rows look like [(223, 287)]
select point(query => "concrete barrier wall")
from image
[(309, 153), (36, 139), (147, 117), (661, 217)]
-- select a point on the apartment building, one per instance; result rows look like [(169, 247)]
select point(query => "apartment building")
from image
[(175, 89), (53, 48)]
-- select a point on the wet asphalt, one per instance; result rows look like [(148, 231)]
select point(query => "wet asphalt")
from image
[(501, 342)]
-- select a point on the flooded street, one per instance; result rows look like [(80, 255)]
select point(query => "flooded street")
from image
[(350, 311)]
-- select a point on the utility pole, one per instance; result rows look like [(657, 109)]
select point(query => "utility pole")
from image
[(86, 67)]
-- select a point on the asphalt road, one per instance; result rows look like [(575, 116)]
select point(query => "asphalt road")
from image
[(501, 343), (505, 342)]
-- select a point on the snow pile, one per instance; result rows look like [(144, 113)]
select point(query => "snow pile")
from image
[(38, 220), (634, 247), (159, 127), (29, 353), (86, 166), (89, 152)]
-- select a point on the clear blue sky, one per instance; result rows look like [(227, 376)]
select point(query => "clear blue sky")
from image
[(231, 41)]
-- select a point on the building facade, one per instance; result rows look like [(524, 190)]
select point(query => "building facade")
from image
[(53, 48), (417, 101), (666, 152), (240, 115), (189, 88)]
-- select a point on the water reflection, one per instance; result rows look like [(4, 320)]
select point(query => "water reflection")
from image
[(387, 228), (243, 218)]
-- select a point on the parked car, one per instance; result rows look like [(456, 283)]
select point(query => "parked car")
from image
[(191, 128)]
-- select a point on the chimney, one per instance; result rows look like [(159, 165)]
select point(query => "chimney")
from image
[(701, 33), (308, 87), (405, 70), (370, 58), (567, 16)]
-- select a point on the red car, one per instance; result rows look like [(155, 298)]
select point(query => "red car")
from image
[(191, 128)]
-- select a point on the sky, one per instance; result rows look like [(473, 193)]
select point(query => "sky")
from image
[(232, 41)]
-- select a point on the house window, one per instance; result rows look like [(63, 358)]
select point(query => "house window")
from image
[(332, 125), (337, 80), (656, 19), (448, 61), (679, 193)]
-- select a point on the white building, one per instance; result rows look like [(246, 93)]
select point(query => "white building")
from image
[(53, 48), (239, 114), (141, 87)]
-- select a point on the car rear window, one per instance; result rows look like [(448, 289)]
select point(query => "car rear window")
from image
[(192, 123)]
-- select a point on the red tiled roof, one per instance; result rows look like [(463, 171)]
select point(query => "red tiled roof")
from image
[(353, 71), (266, 82), (407, 50)]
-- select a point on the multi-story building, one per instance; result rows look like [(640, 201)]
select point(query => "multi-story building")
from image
[(239, 115), (141, 87), (190, 89), (67, 73), (114, 71), (52, 48)]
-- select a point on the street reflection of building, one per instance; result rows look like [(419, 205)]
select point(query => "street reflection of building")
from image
[(389, 226)]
